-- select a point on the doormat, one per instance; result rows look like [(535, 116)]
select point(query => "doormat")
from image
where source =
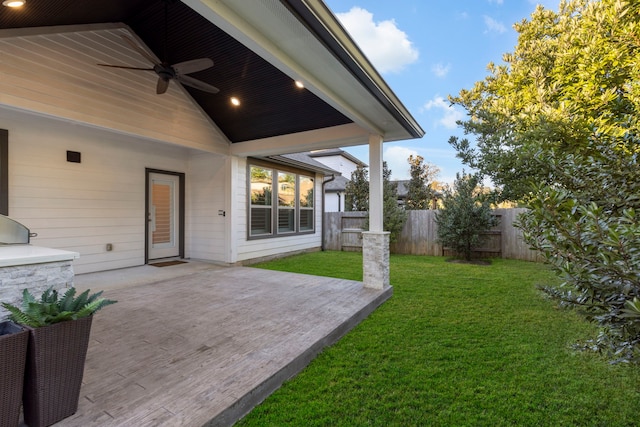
[(168, 263)]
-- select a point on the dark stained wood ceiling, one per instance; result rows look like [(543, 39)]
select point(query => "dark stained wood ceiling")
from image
[(271, 104)]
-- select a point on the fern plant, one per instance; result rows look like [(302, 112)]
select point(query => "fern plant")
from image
[(51, 309)]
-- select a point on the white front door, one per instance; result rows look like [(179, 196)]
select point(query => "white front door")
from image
[(163, 217)]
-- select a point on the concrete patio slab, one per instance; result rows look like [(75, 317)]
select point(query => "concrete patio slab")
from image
[(197, 344)]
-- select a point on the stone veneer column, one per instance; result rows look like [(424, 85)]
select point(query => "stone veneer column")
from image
[(375, 259)]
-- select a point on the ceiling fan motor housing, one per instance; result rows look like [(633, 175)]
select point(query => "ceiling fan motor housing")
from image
[(164, 72)]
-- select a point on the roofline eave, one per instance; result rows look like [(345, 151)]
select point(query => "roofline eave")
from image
[(319, 19)]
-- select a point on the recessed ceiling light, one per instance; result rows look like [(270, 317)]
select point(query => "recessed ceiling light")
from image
[(299, 84), (13, 3), (235, 101)]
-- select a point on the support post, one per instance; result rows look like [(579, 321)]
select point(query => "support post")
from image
[(375, 184), (375, 242)]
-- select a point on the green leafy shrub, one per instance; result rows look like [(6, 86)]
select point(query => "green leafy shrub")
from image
[(588, 229), (464, 216), (51, 309)]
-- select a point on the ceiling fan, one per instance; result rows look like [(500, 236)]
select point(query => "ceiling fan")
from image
[(167, 72)]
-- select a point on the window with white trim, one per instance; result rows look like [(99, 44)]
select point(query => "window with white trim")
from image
[(281, 202), (305, 203), (261, 189)]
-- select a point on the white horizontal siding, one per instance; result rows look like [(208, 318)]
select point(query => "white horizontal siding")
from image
[(120, 126), (340, 163), (58, 75), (83, 206), (206, 231)]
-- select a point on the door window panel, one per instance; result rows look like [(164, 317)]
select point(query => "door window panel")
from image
[(162, 206)]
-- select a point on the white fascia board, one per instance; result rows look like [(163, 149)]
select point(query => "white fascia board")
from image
[(339, 36)]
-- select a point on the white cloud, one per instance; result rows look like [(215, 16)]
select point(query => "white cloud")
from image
[(450, 114), (387, 47), (494, 26), (441, 70), (548, 4), (396, 157), (497, 1)]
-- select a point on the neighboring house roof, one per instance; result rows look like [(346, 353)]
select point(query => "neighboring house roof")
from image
[(338, 185), (403, 188), (259, 48), (337, 152)]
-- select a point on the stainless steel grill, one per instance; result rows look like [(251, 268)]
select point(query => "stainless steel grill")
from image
[(13, 233)]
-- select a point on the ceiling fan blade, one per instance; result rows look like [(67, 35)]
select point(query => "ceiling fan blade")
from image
[(125, 67), (140, 50), (162, 86), (193, 66), (195, 83)]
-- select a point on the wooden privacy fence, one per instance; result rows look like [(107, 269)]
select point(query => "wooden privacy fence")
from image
[(343, 232)]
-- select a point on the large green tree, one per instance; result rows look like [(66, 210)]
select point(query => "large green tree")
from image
[(557, 126), (419, 192), (356, 196), (573, 78)]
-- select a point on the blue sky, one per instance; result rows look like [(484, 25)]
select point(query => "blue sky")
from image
[(427, 50)]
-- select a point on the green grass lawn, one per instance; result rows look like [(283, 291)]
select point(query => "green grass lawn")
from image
[(456, 345)]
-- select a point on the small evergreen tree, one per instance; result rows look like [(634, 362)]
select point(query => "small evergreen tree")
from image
[(356, 197), (464, 217), (419, 192), (394, 215)]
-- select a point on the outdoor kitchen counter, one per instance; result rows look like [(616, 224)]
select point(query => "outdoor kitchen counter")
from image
[(15, 255)]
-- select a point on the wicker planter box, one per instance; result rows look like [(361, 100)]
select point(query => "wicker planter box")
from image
[(13, 351), (54, 369)]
